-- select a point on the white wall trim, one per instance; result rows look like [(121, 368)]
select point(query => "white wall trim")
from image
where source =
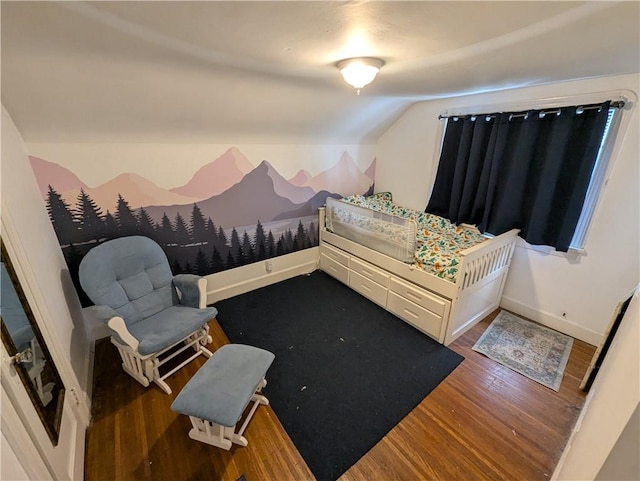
[(554, 322), (243, 279)]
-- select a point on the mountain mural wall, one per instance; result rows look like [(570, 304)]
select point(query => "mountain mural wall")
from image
[(217, 176), (228, 214)]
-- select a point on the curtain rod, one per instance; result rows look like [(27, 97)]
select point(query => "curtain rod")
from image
[(618, 104)]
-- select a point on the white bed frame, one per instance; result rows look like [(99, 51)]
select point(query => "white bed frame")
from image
[(442, 309)]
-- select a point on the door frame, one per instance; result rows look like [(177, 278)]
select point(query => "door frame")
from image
[(20, 421)]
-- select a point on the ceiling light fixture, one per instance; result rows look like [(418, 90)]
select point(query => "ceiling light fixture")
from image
[(359, 72)]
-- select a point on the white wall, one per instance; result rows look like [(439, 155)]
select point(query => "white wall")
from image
[(57, 300), (606, 426), (623, 461), (540, 286)]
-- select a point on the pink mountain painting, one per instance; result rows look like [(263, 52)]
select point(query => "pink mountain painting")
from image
[(227, 189), (252, 199), (49, 173), (217, 176), (300, 179), (371, 171), (136, 189), (285, 188), (344, 178), (212, 180)]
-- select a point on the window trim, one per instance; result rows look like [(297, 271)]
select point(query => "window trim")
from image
[(599, 179)]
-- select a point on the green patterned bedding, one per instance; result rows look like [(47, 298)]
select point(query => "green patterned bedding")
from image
[(439, 242)]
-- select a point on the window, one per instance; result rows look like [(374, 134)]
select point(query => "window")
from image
[(539, 171), (597, 179)]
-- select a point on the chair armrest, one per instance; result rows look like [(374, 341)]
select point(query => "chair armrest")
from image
[(116, 324), (103, 313), (192, 289)]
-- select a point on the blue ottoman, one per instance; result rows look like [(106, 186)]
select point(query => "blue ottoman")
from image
[(217, 395)]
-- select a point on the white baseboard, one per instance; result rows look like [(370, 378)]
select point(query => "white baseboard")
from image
[(243, 279), (554, 322)]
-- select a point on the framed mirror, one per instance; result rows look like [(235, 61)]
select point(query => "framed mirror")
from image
[(30, 357)]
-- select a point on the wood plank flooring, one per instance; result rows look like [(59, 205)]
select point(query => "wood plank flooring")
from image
[(483, 421)]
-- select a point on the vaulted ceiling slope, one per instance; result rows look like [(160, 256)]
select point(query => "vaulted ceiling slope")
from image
[(264, 72)]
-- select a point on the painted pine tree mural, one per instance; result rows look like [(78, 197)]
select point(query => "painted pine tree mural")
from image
[(198, 226), (146, 226), (126, 220), (89, 219), (236, 248), (259, 241), (202, 267), (271, 245), (217, 264), (198, 246), (165, 231), (110, 225), (181, 233), (62, 218)]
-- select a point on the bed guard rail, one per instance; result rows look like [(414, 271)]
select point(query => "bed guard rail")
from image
[(388, 234)]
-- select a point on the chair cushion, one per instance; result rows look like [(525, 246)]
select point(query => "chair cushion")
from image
[(129, 274), (222, 388), (169, 326)]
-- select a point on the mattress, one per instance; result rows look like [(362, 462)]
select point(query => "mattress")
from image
[(438, 241)]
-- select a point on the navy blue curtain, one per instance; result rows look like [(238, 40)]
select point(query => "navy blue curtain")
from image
[(525, 170)]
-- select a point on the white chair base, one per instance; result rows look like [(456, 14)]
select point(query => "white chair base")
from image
[(222, 436), (146, 369)]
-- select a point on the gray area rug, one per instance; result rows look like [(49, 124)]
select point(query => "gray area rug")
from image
[(532, 350)]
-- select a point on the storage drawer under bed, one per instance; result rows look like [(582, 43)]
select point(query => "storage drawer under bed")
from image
[(436, 304), (334, 268), (369, 271), (335, 254), (416, 315), (368, 288)]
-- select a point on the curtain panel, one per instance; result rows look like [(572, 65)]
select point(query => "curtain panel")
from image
[(525, 170)]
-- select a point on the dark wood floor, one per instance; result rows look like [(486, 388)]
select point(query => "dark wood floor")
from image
[(483, 421)]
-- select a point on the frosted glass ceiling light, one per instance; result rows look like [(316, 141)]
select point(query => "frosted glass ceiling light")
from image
[(359, 72)]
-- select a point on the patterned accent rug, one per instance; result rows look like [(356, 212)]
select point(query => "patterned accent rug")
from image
[(532, 350)]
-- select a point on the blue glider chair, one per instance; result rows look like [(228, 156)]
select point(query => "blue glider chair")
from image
[(149, 311)]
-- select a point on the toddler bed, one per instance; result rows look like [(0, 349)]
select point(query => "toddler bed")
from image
[(439, 277)]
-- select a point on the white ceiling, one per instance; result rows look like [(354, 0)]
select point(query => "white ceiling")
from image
[(223, 72)]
